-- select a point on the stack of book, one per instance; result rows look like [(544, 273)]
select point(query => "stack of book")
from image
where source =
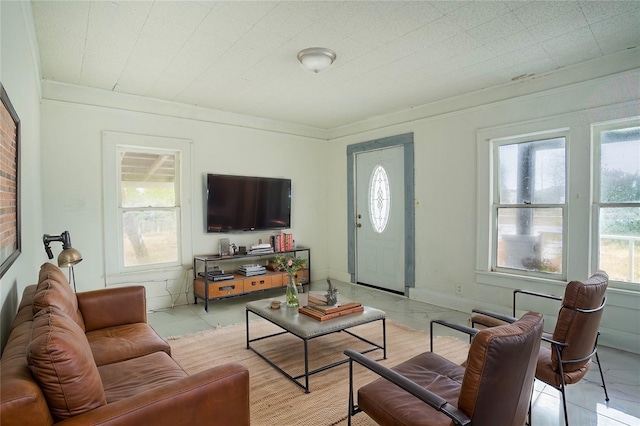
[(252, 270), (318, 309), (282, 242), (260, 249), (216, 275)]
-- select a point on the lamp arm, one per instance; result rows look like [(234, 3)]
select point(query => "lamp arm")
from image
[(46, 240), (64, 238)]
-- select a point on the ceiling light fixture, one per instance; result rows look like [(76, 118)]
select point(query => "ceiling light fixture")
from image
[(316, 59)]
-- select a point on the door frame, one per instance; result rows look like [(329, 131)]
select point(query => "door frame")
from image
[(409, 207)]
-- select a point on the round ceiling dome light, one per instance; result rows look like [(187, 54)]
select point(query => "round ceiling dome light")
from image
[(316, 59)]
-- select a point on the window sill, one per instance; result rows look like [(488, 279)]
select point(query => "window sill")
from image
[(145, 275), (619, 294), (513, 281)]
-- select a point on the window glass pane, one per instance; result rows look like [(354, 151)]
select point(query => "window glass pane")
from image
[(149, 236), (620, 166), (379, 199), (530, 239), (147, 180), (532, 172), (620, 243)]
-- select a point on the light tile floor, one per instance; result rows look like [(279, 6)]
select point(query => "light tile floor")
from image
[(586, 403)]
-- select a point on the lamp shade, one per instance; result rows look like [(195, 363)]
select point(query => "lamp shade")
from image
[(316, 59), (69, 257)]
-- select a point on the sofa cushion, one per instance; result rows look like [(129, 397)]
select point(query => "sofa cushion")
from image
[(60, 359), (115, 344), (54, 290), (128, 378), (387, 403)]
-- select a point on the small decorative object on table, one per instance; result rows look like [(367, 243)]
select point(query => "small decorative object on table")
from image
[(332, 294), (291, 265), (224, 247)]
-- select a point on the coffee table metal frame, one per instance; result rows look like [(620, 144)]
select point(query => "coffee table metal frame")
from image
[(307, 328)]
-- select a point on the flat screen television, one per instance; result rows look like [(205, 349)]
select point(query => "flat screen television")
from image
[(247, 203)]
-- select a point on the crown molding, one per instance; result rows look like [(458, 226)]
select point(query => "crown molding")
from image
[(99, 98)]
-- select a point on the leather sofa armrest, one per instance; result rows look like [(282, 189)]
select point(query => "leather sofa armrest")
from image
[(220, 395), (112, 307)]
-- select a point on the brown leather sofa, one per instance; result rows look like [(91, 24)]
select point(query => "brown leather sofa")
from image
[(91, 358)]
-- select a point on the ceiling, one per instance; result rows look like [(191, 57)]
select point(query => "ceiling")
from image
[(240, 56)]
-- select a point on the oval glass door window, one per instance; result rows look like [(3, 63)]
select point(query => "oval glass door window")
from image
[(379, 199)]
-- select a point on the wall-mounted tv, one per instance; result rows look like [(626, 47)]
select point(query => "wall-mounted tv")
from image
[(247, 203)]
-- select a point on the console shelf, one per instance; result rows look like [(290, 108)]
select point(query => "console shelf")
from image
[(240, 285)]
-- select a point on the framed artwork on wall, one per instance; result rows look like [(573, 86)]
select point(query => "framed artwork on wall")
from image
[(9, 184)]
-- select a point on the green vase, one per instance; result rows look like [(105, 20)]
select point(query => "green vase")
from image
[(292, 294)]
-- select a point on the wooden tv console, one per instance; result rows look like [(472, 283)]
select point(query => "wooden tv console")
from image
[(211, 290)]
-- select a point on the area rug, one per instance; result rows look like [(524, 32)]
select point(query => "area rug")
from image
[(275, 400)]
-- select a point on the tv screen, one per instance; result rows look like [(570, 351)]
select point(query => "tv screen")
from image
[(247, 203)]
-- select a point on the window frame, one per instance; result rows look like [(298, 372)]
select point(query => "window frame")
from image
[(596, 130), (496, 205), (115, 143)]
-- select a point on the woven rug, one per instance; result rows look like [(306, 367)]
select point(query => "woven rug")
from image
[(275, 400)]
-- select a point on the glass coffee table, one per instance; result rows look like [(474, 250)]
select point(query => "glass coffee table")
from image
[(307, 328)]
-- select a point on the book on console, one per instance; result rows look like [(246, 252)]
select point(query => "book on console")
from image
[(253, 267)]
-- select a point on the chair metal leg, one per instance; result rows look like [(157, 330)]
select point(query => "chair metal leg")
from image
[(529, 422), (604, 386), (606, 394), (562, 384), (350, 414), (564, 405)]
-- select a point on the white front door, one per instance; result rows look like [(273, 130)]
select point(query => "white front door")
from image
[(380, 218)]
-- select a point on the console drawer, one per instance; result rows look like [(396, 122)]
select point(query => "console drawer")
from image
[(218, 289), (278, 279), (302, 276), (260, 282)]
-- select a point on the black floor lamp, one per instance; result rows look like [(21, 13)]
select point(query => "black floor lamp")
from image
[(67, 257)]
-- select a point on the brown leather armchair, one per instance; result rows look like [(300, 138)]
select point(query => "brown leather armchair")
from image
[(494, 388), (574, 340)]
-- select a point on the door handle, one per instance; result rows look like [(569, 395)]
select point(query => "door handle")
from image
[(358, 225)]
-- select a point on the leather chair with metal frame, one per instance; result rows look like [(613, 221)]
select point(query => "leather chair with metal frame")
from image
[(494, 388), (574, 340)]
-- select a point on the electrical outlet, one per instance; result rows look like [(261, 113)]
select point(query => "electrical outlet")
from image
[(458, 288)]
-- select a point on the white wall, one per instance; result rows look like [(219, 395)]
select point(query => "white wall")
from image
[(72, 123), (20, 76), (446, 207)]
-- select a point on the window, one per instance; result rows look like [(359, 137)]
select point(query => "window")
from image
[(379, 199), (146, 219), (529, 204), (148, 207), (617, 199)]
